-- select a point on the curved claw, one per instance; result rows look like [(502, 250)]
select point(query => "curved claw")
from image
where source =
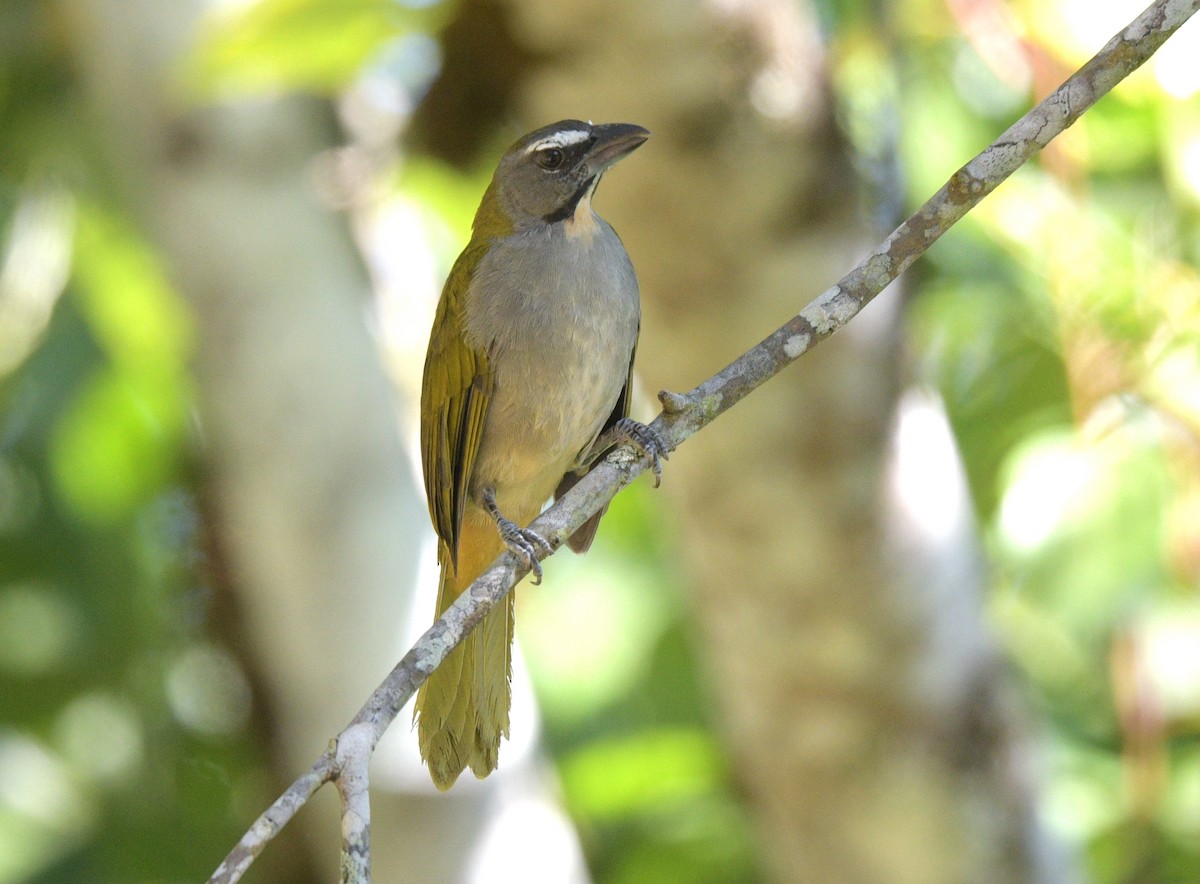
[(646, 438), (522, 542)]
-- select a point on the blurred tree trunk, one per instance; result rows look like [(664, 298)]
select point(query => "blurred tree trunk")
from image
[(315, 508), (859, 695)]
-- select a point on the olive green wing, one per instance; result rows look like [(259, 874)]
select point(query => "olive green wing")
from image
[(455, 393)]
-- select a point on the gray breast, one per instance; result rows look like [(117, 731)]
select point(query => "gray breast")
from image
[(558, 316)]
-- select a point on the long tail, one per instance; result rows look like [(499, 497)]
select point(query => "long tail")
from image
[(462, 710)]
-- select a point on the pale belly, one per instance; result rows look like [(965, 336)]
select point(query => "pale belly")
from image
[(548, 406)]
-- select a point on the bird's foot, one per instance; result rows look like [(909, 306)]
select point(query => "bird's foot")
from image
[(522, 542), (645, 438)]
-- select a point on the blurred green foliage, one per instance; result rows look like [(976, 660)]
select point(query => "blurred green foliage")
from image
[(115, 446), (125, 752), (1060, 324), (124, 731), (277, 46)]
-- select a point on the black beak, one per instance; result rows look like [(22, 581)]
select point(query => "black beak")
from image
[(613, 142)]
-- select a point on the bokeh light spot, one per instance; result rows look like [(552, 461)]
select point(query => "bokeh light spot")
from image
[(101, 736), (208, 691), (37, 629)]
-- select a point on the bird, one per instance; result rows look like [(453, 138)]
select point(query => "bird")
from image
[(527, 376)]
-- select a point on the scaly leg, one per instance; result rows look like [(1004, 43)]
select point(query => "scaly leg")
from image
[(521, 541)]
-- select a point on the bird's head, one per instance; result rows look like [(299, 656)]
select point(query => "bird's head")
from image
[(547, 174)]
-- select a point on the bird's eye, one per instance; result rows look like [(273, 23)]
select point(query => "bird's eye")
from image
[(550, 158)]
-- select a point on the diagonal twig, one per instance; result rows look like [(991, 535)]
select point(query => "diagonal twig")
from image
[(686, 414), (273, 819)]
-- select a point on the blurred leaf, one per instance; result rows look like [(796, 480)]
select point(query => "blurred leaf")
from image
[(708, 841), (622, 776), (1081, 526), (1122, 137), (130, 306), (296, 45), (1000, 380), (938, 130), (580, 671), (115, 446)]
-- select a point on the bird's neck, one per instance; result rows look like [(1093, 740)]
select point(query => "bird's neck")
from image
[(491, 221), (581, 224)]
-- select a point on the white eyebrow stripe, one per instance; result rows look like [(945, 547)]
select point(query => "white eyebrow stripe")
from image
[(561, 139)]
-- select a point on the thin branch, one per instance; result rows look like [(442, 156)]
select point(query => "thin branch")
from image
[(353, 749), (273, 819), (686, 414)]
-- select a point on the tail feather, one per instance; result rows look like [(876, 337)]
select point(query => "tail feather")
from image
[(462, 709), (493, 680)]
